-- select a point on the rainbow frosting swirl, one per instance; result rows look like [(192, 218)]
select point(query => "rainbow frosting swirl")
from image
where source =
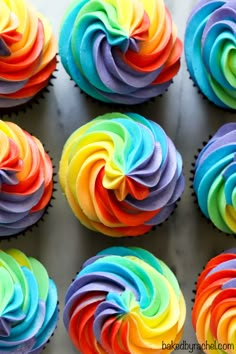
[(120, 51), (28, 304), (210, 47), (124, 300), (26, 179), (215, 179), (214, 310), (27, 52), (121, 174)]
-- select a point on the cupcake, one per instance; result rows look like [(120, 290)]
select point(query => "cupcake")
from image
[(124, 300), (214, 310), (27, 54), (210, 44), (215, 179), (26, 179), (121, 174), (29, 304), (122, 52)]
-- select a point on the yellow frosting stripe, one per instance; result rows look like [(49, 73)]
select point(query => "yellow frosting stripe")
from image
[(231, 331), (5, 17), (29, 33), (102, 170), (19, 8), (224, 325), (156, 13), (4, 145), (20, 257), (214, 309), (209, 339), (124, 10), (230, 217), (26, 181), (140, 38), (204, 318), (25, 151), (28, 55), (139, 304)]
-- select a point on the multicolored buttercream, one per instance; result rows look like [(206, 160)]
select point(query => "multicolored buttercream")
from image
[(214, 309), (26, 179), (121, 174), (210, 46), (120, 51), (28, 304), (215, 179), (27, 53), (124, 300)]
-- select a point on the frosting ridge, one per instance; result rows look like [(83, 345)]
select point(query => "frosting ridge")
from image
[(120, 51), (121, 174), (215, 179), (214, 306), (127, 300), (210, 42), (28, 310), (27, 53), (26, 179)]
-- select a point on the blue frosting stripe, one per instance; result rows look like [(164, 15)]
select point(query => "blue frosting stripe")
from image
[(94, 45), (26, 321), (209, 42), (138, 172), (215, 178), (100, 304)]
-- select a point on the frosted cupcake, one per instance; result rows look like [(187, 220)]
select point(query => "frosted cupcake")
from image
[(210, 44), (26, 180), (124, 300), (215, 179), (121, 174), (122, 51), (29, 304), (27, 53), (214, 309)]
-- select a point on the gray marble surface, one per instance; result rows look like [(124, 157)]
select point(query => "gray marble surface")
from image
[(185, 242)]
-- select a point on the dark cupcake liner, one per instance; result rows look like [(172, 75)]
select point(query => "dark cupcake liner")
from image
[(205, 98), (122, 107), (52, 335), (194, 196), (32, 227), (33, 102)]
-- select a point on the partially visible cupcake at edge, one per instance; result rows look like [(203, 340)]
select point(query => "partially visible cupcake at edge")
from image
[(124, 300), (27, 54), (214, 310), (210, 46), (29, 304), (26, 180), (215, 179), (121, 174), (122, 51)]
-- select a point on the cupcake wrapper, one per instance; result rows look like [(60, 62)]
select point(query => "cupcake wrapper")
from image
[(119, 106), (45, 212), (34, 101), (205, 98), (52, 335)]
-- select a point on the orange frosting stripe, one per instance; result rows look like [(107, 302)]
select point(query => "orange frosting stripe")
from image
[(112, 181), (214, 310), (26, 180), (141, 40), (28, 48)]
